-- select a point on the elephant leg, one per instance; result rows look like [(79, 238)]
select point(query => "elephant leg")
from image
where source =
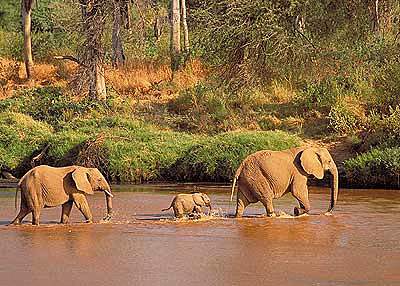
[(24, 211), (197, 209), (36, 215), (242, 203), (269, 208), (178, 210), (66, 211), (300, 192), (82, 204)]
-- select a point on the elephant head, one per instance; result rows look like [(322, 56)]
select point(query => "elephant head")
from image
[(201, 199), (88, 180), (317, 161)]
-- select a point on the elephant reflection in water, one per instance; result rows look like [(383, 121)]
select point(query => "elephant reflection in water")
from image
[(267, 175)]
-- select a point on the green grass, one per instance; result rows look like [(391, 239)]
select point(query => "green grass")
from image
[(128, 150), (217, 157), (20, 136)]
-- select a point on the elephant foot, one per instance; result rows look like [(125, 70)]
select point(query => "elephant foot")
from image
[(14, 222), (107, 217), (299, 211), (271, 214)]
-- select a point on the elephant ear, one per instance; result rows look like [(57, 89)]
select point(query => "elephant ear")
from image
[(80, 176), (198, 199), (311, 163)]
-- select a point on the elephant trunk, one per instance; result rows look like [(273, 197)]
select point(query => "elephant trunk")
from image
[(209, 208), (334, 188), (109, 197)]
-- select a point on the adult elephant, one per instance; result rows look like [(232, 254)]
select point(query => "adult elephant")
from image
[(45, 186), (267, 175)]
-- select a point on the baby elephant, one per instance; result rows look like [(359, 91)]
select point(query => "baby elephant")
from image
[(189, 204)]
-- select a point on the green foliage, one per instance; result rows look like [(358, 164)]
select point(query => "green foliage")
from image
[(343, 120), (250, 39), (203, 108), (52, 105), (376, 168), (385, 128), (216, 158), (20, 136), (127, 150), (11, 45), (10, 16)]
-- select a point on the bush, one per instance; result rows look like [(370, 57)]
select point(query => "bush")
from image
[(123, 149), (217, 158), (50, 104), (383, 130), (20, 136), (346, 117), (376, 168)]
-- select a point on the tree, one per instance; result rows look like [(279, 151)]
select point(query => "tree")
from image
[(120, 17), (175, 35), (178, 15), (185, 27), (26, 11), (92, 58)]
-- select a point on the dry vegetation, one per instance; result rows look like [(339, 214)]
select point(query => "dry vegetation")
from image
[(140, 80)]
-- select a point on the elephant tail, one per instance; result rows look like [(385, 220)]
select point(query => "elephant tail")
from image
[(163, 210), (16, 196), (237, 174)]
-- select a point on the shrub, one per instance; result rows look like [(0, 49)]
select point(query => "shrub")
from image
[(20, 136), (384, 130), (346, 117), (52, 105), (376, 168), (216, 158)]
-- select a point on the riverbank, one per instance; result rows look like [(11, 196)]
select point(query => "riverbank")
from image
[(175, 131)]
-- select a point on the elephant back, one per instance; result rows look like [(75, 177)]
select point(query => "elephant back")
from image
[(46, 185)]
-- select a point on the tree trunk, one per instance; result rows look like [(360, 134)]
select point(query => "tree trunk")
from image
[(175, 35), (376, 22), (185, 27), (373, 11), (26, 11), (93, 23), (118, 57)]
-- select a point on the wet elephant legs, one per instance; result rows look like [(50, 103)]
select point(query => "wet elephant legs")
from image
[(24, 211), (242, 203), (34, 208), (82, 204), (300, 192), (66, 211)]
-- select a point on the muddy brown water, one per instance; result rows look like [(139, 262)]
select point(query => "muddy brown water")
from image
[(357, 245)]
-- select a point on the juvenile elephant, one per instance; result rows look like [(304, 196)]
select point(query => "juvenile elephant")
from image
[(267, 175), (189, 204), (45, 186)]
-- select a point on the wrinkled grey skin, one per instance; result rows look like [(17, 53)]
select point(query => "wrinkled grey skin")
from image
[(189, 204), (45, 186), (267, 175)]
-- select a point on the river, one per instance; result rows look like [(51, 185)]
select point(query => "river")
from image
[(357, 245)]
